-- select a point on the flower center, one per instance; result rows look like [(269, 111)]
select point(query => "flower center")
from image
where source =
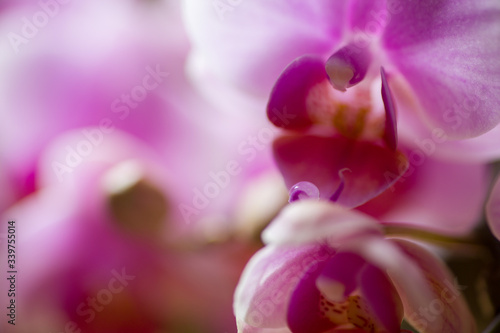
[(351, 113), (353, 312), (346, 102)]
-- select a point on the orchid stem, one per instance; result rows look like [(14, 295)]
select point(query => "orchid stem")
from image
[(425, 235)]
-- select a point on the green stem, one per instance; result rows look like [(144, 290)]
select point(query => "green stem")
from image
[(426, 235)]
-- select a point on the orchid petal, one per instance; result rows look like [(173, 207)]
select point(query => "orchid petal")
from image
[(406, 275), (421, 280), (390, 132), (448, 53), (307, 221), (338, 278), (367, 16), (484, 148), (382, 298), (262, 296), (443, 196), (447, 311), (268, 36), (245, 328), (319, 159), (304, 314), (287, 106), (493, 210)]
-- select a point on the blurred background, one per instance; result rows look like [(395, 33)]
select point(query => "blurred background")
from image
[(134, 197)]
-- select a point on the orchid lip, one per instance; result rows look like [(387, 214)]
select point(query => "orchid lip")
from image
[(286, 107), (348, 66)]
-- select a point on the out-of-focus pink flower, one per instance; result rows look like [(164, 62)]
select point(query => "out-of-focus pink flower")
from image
[(328, 269), (493, 209), (426, 49), (87, 264), (84, 76), (101, 252), (74, 71)]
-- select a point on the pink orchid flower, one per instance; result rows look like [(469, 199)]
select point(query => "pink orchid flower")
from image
[(329, 269), (440, 57), (87, 64), (87, 265), (102, 251), (341, 146)]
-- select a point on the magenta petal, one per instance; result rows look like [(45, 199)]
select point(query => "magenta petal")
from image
[(454, 314), (382, 298), (493, 210), (287, 104), (304, 314), (367, 17), (319, 160), (245, 328), (336, 195), (390, 131), (438, 195), (343, 268), (262, 296), (313, 221), (249, 43), (448, 52)]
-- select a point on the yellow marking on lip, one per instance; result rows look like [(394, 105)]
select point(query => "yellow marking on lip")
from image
[(353, 312)]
